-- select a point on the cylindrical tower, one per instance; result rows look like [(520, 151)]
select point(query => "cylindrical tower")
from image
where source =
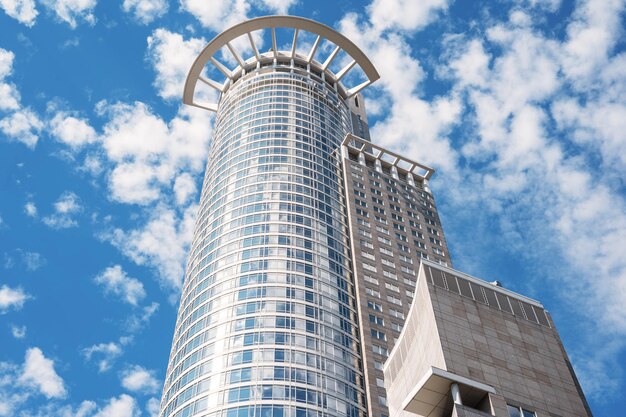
[(267, 324)]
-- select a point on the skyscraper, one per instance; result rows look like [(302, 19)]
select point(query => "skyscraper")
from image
[(308, 237)]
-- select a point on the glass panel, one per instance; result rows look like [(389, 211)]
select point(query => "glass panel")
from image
[(514, 411), (527, 413)]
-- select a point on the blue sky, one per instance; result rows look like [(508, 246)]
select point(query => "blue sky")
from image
[(520, 106)]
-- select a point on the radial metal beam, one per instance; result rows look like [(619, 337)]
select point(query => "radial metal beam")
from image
[(309, 58), (212, 83), (345, 70), (253, 45), (224, 70), (235, 54), (273, 22), (330, 58), (274, 48), (295, 42), (355, 90)]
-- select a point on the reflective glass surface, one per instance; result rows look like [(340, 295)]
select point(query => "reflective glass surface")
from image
[(267, 324)]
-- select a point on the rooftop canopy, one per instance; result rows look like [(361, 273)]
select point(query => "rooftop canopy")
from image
[(229, 44)]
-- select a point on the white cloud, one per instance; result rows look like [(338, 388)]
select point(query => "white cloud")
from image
[(64, 209), (122, 406), (470, 65), (23, 11), (172, 57), (217, 15), (72, 131), (279, 6), (147, 153), (23, 126), (115, 281), (39, 373), (145, 11), (30, 209), (162, 243), (139, 379), (106, 353), (12, 298), (9, 96), (153, 407), (184, 188), (72, 11), (18, 332), (404, 14), (138, 320)]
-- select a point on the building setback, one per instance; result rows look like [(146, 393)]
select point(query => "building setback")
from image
[(309, 237), (471, 348)]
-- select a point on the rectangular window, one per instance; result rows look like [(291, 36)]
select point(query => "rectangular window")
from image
[(388, 263), (358, 193), (365, 233), (358, 185), (377, 320), (386, 251), (382, 230), (362, 212), (371, 279), (378, 201), (396, 313), (380, 219), (394, 207), (390, 274), (369, 267), (374, 306), (384, 240), (372, 292), (360, 202), (379, 210), (366, 244), (368, 255), (380, 350), (395, 326), (403, 248), (378, 334), (392, 287), (376, 191), (406, 259), (394, 300), (361, 221)]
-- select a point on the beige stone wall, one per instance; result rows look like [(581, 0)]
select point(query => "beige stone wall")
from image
[(410, 360), (522, 360)]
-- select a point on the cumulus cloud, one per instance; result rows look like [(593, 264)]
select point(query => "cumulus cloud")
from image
[(9, 96), (162, 242), (122, 406), (38, 373), (153, 407), (30, 209), (139, 379), (71, 130), (65, 208), (145, 11), (24, 11), (184, 188), (147, 153), (12, 298), (72, 12), (172, 56), (217, 15), (115, 281), (404, 14), (23, 125)]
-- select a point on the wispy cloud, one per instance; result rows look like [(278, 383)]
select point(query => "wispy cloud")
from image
[(115, 281), (65, 208)]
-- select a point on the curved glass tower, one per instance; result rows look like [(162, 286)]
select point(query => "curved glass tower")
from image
[(268, 321)]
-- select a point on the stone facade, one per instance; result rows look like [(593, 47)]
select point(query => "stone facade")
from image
[(507, 344)]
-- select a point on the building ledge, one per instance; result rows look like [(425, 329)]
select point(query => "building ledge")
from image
[(431, 396)]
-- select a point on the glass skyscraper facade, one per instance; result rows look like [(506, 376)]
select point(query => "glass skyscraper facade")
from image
[(274, 318)]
